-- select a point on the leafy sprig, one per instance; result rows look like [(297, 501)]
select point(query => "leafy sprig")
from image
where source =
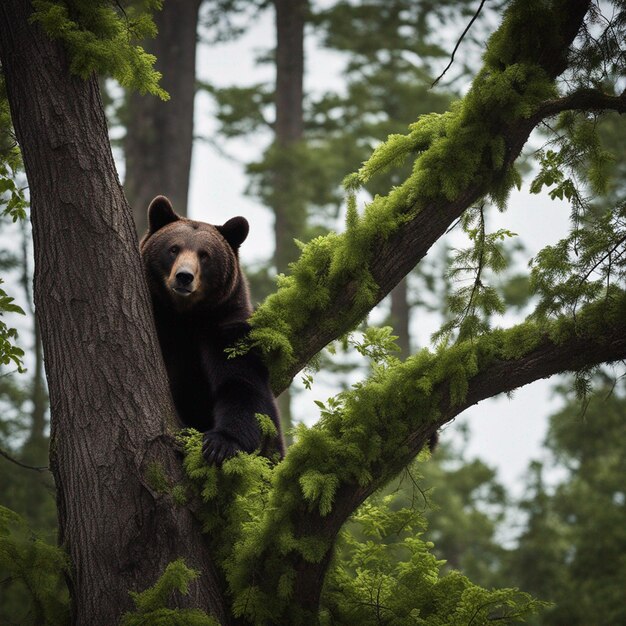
[(101, 36)]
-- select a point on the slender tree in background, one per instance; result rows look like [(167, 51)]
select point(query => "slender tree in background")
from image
[(127, 513), (288, 128), (287, 204), (159, 134)]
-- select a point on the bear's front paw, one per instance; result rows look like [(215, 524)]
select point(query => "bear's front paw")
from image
[(217, 448)]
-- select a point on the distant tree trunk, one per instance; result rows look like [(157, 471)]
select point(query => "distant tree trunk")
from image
[(110, 406), (400, 317), (159, 135), (37, 443), (39, 395), (288, 205), (34, 452)]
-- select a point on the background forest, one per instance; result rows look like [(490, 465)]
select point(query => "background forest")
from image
[(336, 80)]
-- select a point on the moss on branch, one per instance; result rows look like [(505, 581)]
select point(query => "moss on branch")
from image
[(459, 157)]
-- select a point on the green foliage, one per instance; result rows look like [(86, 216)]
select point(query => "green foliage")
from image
[(234, 499), (551, 174), (99, 37), (591, 260), (12, 204), (9, 353), (240, 110), (11, 164), (465, 506), (32, 570), (158, 481), (387, 574), (586, 265), (246, 514), (570, 547), (471, 307), (377, 344), (151, 604), (581, 154), (268, 429), (228, 19), (155, 475)]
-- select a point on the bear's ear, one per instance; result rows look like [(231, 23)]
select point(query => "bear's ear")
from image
[(235, 231), (160, 213)]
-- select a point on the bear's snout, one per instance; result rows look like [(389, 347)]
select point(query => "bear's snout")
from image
[(183, 283), (184, 276)]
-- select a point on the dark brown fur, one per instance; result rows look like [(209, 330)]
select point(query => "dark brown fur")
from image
[(201, 307)]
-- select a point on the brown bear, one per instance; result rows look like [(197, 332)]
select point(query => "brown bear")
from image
[(201, 307)]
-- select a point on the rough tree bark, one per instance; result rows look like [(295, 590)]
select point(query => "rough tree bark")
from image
[(288, 206), (159, 135), (109, 405)]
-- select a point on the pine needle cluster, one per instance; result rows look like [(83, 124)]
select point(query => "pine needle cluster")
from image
[(100, 36)]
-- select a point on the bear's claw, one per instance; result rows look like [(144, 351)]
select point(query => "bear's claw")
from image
[(217, 448)]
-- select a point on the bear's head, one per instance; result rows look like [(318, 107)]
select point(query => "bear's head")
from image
[(190, 264)]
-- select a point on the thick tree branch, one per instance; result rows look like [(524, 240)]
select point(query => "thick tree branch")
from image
[(581, 100), (602, 341), (398, 253)]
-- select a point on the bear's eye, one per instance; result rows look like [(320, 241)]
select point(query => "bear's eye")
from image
[(203, 254), (174, 250)]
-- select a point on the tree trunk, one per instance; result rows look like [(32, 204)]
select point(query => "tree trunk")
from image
[(110, 407), (37, 444), (400, 317), (288, 205), (159, 135)]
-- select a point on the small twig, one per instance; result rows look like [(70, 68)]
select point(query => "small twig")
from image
[(7, 456), (612, 389), (458, 43), (25, 273), (220, 151), (595, 266), (479, 270), (128, 28)]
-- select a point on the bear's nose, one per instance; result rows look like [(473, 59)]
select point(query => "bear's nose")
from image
[(184, 278)]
